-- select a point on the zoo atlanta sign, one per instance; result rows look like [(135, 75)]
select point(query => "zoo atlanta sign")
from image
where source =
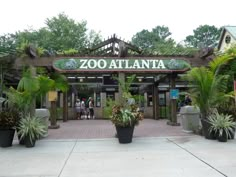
[(110, 65)]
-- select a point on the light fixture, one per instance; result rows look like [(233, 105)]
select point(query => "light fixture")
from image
[(71, 77), (81, 80)]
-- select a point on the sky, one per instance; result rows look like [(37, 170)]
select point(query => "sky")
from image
[(121, 17)]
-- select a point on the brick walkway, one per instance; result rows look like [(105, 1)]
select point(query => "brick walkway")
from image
[(96, 129)]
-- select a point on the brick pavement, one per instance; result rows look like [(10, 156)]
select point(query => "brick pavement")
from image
[(97, 129)]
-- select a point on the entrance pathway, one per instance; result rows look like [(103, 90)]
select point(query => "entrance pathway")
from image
[(97, 129), (184, 156)]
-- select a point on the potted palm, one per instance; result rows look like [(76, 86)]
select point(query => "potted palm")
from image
[(125, 113), (125, 119), (222, 125), (209, 89), (30, 129), (8, 122)]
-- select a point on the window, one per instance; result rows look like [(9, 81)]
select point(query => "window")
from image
[(227, 39), (98, 100), (149, 99), (111, 95)]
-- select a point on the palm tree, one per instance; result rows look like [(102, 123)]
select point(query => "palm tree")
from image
[(209, 88), (209, 84), (31, 86)]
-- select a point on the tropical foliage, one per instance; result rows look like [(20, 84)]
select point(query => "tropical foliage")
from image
[(8, 118), (31, 127), (209, 85), (221, 123), (125, 112), (125, 117)]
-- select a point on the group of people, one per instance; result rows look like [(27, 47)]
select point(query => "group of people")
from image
[(84, 110)]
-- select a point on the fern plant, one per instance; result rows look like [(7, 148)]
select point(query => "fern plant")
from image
[(221, 123), (31, 127)]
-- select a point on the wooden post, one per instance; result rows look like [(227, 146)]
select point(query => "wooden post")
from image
[(53, 117), (155, 102), (173, 102), (65, 107), (121, 78), (33, 104)]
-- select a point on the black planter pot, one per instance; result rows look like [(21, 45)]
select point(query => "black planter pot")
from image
[(125, 134), (223, 138), (232, 134), (28, 143), (21, 140), (206, 130), (6, 137)]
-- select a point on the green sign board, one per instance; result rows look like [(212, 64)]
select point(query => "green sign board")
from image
[(133, 65)]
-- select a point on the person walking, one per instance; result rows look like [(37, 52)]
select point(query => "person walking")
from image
[(91, 110), (83, 110), (78, 109), (187, 100)]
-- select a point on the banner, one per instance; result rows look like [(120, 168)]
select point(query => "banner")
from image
[(118, 64)]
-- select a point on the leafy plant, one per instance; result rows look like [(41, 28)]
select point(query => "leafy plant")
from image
[(124, 117), (31, 127), (221, 123), (209, 85), (8, 118), (125, 112), (108, 108)]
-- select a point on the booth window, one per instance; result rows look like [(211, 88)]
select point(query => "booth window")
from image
[(149, 99), (111, 95), (98, 100)]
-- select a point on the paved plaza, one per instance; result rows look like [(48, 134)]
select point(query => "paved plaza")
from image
[(181, 155)]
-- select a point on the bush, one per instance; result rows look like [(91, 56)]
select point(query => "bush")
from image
[(9, 118), (125, 117)]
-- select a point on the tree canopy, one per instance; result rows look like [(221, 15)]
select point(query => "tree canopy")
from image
[(204, 36), (149, 40), (61, 35), (159, 41)]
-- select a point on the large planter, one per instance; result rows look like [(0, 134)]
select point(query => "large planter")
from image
[(232, 134), (190, 118), (206, 130), (125, 134), (223, 138), (6, 137), (21, 140), (28, 143), (44, 115)]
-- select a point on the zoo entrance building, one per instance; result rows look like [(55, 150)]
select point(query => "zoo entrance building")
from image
[(92, 75)]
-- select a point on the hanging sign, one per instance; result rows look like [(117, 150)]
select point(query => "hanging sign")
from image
[(135, 65), (52, 96), (174, 94)]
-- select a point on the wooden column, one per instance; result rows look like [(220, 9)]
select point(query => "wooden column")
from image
[(53, 116), (65, 107), (173, 103), (155, 102), (33, 104), (121, 78)]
